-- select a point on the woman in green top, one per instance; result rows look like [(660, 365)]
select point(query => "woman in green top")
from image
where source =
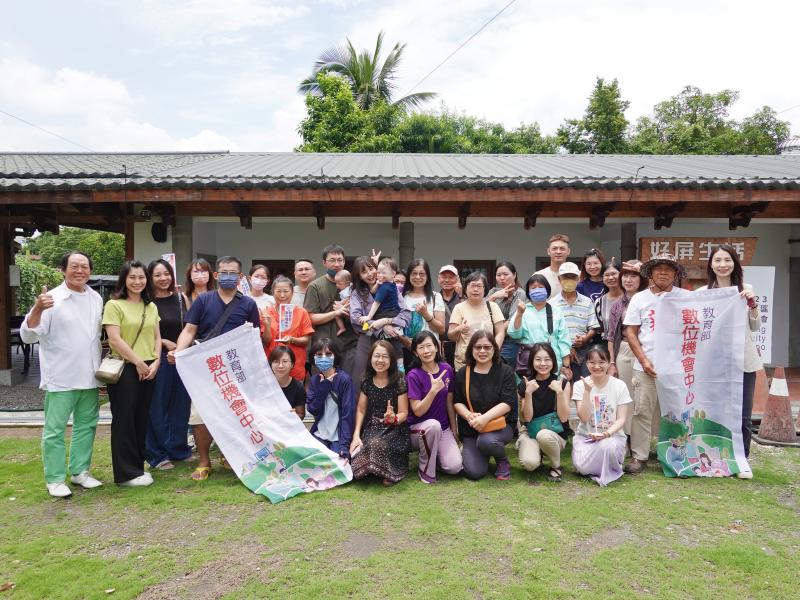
[(131, 322)]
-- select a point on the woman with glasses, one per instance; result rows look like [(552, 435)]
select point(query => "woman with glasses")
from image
[(598, 448), (545, 412), (475, 313), (282, 361), (602, 306), (331, 399), (199, 280), (484, 392)]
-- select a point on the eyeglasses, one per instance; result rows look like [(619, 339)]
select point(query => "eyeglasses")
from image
[(228, 273), (486, 348), (597, 364), (335, 260)]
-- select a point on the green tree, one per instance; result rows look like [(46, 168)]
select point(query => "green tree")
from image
[(106, 249), (336, 123), (371, 81), (33, 275), (694, 122), (603, 128)]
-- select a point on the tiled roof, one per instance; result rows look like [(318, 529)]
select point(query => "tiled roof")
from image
[(248, 170)]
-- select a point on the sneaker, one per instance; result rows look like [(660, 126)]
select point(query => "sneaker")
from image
[(85, 480), (503, 472), (164, 465), (59, 490), (140, 481), (745, 475), (635, 466), (425, 479)]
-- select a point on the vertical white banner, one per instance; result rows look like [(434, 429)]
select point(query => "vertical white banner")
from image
[(763, 281), (244, 408), (699, 360), (170, 258)]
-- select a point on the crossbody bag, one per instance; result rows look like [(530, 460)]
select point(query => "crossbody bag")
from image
[(111, 367), (495, 424)]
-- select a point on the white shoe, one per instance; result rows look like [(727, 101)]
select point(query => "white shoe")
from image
[(745, 475), (59, 490), (140, 481), (85, 480)]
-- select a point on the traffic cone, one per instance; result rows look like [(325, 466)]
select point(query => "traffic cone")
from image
[(760, 394), (776, 424)]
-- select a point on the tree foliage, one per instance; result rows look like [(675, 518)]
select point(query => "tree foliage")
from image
[(694, 122), (106, 249), (33, 275), (603, 128), (371, 79)]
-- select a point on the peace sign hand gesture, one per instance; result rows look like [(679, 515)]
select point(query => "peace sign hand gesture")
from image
[(437, 383)]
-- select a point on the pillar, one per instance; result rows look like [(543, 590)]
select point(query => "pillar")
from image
[(182, 243), (406, 249), (7, 375), (629, 243)]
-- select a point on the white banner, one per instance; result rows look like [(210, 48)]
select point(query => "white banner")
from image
[(763, 281), (244, 408), (699, 360)]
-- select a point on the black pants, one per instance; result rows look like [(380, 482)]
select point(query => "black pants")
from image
[(130, 405), (749, 385)]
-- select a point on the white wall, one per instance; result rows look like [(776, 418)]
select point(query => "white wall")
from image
[(145, 248)]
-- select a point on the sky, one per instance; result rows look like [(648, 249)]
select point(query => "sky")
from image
[(158, 75)]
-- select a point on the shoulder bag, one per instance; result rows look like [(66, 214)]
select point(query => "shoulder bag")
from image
[(110, 369), (521, 366), (493, 425)]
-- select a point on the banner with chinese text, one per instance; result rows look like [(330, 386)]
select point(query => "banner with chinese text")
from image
[(699, 359), (244, 408), (763, 281)]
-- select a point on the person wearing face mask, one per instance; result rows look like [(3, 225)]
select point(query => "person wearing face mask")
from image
[(535, 322), (211, 315), (578, 311), (259, 280), (331, 399), (663, 272), (199, 280)]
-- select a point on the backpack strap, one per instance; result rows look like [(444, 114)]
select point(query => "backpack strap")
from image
[(549, 310)]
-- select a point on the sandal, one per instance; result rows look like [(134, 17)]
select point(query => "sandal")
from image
[(225, 464), (554, 475), (200, 473)]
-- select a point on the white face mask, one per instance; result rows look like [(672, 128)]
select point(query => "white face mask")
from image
[(258, 283)]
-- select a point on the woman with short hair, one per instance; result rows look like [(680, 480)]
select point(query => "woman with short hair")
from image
[(331, 399), (285, 324), (426, 306), (484, 391), (475, 313), (381, 441), (591, 282), (282, 360), (432, 418), (131, 322)]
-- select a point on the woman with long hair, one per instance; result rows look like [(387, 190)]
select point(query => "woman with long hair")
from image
[(591, 282), (381, 441), (724, 269), (507, 294), (199, 279), (131, 322)]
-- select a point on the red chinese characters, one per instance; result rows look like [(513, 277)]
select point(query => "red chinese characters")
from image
[(230, 392)]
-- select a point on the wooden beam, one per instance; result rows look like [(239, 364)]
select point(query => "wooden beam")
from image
[(6, 305), (129, 235)]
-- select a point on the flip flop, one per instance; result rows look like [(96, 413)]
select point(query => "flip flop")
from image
[(554, 478), (200, 473)]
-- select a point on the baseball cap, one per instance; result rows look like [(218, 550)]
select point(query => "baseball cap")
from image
[(449, 269), (569, 268)]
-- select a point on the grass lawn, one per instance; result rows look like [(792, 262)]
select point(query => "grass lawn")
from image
[(644, 536)]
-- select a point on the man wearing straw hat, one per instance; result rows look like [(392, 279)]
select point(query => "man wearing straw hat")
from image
[(663, 272)]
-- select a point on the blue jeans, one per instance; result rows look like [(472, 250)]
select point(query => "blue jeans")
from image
[(169, 417)]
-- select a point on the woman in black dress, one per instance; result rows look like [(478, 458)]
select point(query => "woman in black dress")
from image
[(381, 439)]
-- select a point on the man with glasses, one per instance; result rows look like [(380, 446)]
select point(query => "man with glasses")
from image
[(205, 320), (66, 323), (323, 305)]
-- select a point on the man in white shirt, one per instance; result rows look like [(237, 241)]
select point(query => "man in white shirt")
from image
[(558, 251), (66, 323), (663, 271), (304, 273)]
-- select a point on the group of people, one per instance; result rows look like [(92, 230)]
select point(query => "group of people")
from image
[(382, 362)]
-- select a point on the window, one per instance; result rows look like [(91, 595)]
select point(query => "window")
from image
[(487, 267)]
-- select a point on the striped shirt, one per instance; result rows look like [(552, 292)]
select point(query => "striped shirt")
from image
[(579, 315)]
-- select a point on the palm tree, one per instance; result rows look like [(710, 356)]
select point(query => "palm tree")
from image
[(369, 80)]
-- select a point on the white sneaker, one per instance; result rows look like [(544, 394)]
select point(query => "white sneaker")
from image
[(85, 480), (59, 490), (140, 481), (745, 475)]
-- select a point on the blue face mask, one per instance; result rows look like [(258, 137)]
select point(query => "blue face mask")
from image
[(537, 294), (324, 363), (227, 281), (331, 273)]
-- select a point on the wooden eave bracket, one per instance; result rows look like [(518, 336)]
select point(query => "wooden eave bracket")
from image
[(665, 215), (319, 214), (600, 213), (245, 214), (532, 212), (463, 213), (740, 216)]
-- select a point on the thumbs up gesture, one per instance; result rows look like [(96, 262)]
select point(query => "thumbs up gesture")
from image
[(531, 385), (44, 300), (389, 416)]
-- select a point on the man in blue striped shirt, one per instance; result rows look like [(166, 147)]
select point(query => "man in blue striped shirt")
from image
[(578, 312)]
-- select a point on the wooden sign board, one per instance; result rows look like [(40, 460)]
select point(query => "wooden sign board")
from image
[(693, 252)]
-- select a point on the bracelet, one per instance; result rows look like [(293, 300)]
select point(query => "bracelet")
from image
[(429, 320)]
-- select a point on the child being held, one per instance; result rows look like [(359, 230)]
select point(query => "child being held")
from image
[(386, 305), (344, 283)]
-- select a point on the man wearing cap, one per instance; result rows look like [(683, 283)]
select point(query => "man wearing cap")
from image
[(579, 314), (450, 289), (663, 271), (558, 251)]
